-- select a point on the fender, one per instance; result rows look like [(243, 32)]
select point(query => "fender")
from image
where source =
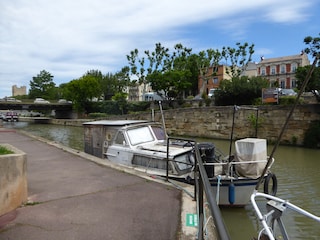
[(274, 188)]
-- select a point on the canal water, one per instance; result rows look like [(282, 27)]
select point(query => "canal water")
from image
[(297, 170)]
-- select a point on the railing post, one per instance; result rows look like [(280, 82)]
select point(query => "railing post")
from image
[(200, 204), (167, 170)]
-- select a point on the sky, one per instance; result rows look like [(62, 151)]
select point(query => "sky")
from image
[(67, 38)]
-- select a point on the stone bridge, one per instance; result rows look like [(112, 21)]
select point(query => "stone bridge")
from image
[(62, 110)]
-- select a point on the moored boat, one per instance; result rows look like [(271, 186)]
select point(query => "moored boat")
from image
[(141, 145), (144, 146), (235, 177)]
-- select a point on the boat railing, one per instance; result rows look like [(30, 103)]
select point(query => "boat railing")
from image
[(229, 166), (202, 188), (276, 207)]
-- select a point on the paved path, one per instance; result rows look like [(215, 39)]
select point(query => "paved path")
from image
[(79, 199)]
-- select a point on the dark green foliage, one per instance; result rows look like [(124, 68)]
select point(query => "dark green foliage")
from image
[(43, 86), (313, 84), (4, 150), (81, 91), (97, 115), (139, 106), (312, 135), (239, 91), (287, 100), (113, 108)]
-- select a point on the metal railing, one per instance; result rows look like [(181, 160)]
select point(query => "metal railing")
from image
[(203, 188), (276, 207)]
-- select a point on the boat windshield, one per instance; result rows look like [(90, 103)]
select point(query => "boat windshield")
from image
[(158, 132), (140, 135)]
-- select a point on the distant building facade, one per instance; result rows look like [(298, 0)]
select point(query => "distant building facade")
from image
[(280, 72), (212, 78), (137, 92), (17, 91), (251, 70)]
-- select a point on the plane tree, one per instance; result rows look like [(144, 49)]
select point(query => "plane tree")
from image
[(237, 58), (167, 72), (205, 60)]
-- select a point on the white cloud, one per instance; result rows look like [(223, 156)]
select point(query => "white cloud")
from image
[(67, 37)]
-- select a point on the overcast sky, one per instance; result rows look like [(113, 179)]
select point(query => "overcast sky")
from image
[(67, 37)]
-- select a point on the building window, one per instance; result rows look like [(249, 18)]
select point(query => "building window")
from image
[(282, 84), (273, 70), (215, 80), (263, 71), (293, 67), (282, 69), (293, 83)]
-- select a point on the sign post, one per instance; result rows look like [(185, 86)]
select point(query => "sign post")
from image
[(270, 95)]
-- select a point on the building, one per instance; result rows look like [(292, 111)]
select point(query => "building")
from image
[(17, 91), (280, 71), (251, 70), (212, 78), (137, 92)]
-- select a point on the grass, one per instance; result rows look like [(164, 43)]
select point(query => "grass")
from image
[(4, 150)]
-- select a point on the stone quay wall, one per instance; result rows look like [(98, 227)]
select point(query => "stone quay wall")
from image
[(13, 180), (216, 121)]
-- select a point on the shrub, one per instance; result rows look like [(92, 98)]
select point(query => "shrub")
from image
[(4, 150), (97, 115), (312, 135)]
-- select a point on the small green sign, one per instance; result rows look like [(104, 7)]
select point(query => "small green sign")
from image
[(192, 220)]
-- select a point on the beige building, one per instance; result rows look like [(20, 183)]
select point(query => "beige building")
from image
[(281, 71), (17, 91)]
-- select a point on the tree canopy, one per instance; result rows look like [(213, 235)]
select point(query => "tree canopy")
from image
[(240, 91), (42, 86), (177, 72), (313, 48), (82, 90), (314, 82)]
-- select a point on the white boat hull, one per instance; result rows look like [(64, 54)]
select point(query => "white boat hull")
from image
[(234, 194)]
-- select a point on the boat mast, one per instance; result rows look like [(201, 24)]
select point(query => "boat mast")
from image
[(163, 122)]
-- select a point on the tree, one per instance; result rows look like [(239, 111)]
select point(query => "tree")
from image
[(206, 60), (115, 83), (169, 73), (314, 82), (178, 71), (313, 47), (120, 98), (239, 91), (165, 71), (108, 84), (122, 80), (82, 90), (239, 58), (42, 86), (313, 72)]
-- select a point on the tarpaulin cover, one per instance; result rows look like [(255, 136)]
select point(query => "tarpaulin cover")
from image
[(252, 150)]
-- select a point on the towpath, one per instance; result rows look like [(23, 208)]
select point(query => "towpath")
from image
[(73, 195)]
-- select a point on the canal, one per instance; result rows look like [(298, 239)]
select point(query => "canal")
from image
[(297, 170)]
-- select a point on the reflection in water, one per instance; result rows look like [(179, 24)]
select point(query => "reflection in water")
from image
[(66, 135), (297, 170)]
